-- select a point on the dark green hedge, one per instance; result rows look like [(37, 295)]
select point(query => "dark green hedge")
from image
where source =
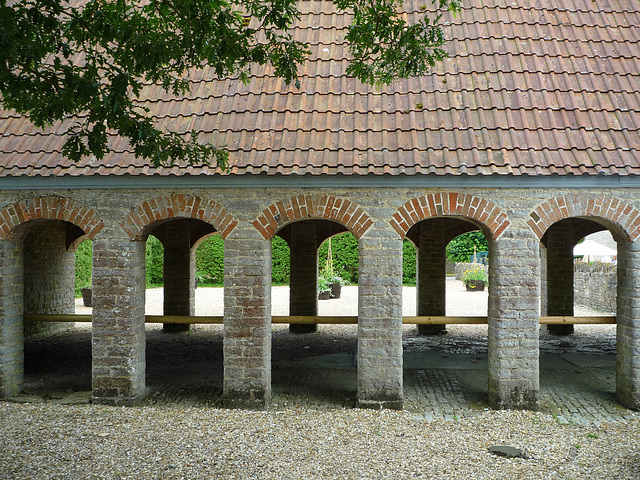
[(210, 257), (84, 256), (209, 261), (461, 248)]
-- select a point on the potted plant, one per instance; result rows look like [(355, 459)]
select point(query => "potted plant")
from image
[(475, 278), (324, 290), (335, 283), (86, 295)]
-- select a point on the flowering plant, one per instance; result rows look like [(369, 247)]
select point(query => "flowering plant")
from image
[(474, 274)]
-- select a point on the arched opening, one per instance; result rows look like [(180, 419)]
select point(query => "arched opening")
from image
[(443, 250), (583, 290), (51, 368), (315, 274), (440, 243), (184, 257), (561, 294)]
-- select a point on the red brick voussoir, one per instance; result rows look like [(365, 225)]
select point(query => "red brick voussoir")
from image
[(448, 204), (622, 217), (305, 207), (49, 208), (178, 206)]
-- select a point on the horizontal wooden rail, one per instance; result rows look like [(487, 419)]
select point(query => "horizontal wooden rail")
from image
[(339, 320)]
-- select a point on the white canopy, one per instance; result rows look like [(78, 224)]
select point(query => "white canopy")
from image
[(591, 249)]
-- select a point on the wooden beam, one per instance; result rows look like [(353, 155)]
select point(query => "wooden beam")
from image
[(335, 320), (433, 320), (206, 320), (559, 320), (57, 318)]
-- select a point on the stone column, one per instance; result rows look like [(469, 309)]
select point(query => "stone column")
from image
[(247, 319), (11, 310), (179, 274), (303, 276), (380, 319), (49, 276), (118, 335), (560, 275), (543, 280), (514, 287), (431, 274), (628, 329)]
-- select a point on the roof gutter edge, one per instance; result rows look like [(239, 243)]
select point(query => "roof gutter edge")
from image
[(317, 181)]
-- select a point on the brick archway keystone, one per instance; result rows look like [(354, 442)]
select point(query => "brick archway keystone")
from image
[(178, 206), (621, 214), (446, 204), (305, 207), (49, 208)]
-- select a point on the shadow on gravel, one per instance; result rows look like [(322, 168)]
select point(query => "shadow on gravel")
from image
[(443, 375)]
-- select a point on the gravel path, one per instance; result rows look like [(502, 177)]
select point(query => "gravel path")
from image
[(83, 442), (176, 441)]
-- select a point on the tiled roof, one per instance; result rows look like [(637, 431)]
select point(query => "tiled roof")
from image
[(530, 88)]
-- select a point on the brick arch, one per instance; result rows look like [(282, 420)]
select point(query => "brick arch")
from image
[(178, 206), (442, 204), (49, 208), (303, 207), (621, 217)]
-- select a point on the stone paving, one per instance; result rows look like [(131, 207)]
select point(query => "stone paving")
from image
[(445, 376)]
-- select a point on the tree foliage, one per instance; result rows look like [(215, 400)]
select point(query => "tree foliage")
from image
[(90, 61), (461, 248)]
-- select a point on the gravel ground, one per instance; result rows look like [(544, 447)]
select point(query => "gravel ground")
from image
[(78, 442), (48, 441)]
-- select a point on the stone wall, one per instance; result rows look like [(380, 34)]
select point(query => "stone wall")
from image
[(49, 277), (247, 219), (595, 285)]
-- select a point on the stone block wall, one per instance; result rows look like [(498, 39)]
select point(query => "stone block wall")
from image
[(247, 218), (11, 309), (596, 286), (49, 277), (118, 337)]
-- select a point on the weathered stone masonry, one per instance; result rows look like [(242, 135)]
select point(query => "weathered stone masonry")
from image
[(248, 219)]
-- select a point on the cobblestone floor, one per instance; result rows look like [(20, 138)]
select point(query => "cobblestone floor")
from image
[(444, 376)]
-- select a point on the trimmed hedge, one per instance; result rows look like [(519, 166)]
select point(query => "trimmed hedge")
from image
[(84, 266), (460, 249), (210, 261), (154, 262)]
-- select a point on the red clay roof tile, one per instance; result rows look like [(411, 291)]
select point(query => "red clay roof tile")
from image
[(536, 89)]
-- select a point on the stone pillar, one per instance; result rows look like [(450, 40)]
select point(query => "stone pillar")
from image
[(247, 319), (543, 280), (118, 335), (303, 276), (628, 329), (380, 319), (179, 274), (560, 275), (514, 301), (49, 276), (11, 310), (431, 274)]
